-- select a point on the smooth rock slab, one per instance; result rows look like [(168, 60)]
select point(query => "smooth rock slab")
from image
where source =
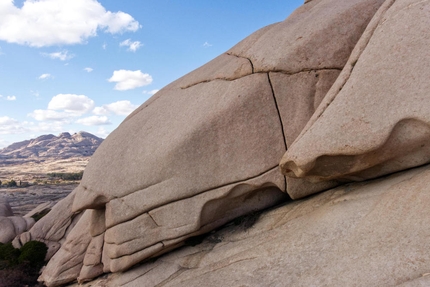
[(12, 226), (361, 234)]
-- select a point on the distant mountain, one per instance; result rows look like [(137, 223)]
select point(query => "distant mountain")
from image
[(63, 146)]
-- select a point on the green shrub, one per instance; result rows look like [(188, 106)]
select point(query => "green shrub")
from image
[(41, 214), (11, 183), (33, 253), (67, 175), (8, 255), (20, 267)]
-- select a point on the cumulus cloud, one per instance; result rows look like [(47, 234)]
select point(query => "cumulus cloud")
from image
[(4, 121), (63, 108), (94, 121), (62, 55), (50, 115), (58, 22), (8, 98), (122, 108), (10, 126), (132, 46), (45, 76), (151, 92), (128, 80), (88, 69), (71, 103), (100, 111)]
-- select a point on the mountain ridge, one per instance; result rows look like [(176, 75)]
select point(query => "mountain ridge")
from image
[(63, 146)]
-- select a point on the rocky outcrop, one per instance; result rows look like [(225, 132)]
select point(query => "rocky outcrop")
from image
[(375, 119), (10, 225), (65, 145), (338, 88), (373, 233)]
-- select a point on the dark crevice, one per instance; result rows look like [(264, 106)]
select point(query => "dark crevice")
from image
[(153, 219), (277, 110), (250, 62), (280, 120)]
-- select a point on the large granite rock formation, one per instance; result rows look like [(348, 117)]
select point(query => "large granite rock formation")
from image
[(356, 69), (375, 120), (373, 233)]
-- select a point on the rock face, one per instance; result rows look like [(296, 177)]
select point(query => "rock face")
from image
[(10, 225), (65, 145), (319, 87), (375, 119), (362, 234)]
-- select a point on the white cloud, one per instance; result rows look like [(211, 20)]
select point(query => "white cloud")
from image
[(58, 22), (45, 76), (101, 111), (102, 132), (62, 56), (8, 98), (94, 121), (127, 80), (207, 45), (71, 103), (123, 108), (7, 121), (88, 69), (104, 46), (132, 46), (10, 126), (50, 115), (151, 92), (64, 107)]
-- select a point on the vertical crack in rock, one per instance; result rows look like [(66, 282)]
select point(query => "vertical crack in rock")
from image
[(277, 109), (280, 120)]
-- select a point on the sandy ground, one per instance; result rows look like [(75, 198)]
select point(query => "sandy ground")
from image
[(24, 199)]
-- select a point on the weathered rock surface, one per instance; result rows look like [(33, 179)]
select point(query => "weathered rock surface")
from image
[(10, 225), (212, 155), (5, 209), (373, 233), (378, 121)]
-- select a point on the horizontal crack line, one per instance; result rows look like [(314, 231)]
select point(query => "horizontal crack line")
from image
[(191, 196), (227, 79)]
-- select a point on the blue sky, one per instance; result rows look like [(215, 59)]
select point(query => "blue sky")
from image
[(84, 65)]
